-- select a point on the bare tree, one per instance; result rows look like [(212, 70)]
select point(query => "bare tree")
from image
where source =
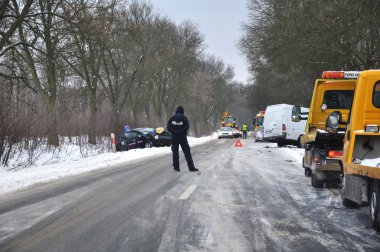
[(289, 43), (40, 38), (11, 18), (84, 52)]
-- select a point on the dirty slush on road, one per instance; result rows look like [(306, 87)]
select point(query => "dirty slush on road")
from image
[(256, 198)]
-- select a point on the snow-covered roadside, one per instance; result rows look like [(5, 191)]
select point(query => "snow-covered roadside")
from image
[(293, 153), (297, 154), (72, 164)]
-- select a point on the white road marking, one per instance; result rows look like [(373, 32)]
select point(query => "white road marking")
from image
[(188, 192)]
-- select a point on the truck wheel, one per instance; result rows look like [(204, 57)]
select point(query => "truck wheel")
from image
[(315, 182), (299, 145), (307, 172), (332, 185), (303, 162), (280, 143), (346, 202), (374, 206)]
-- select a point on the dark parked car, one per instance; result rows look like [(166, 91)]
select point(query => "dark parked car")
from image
[(162, 137), (132, 140), (146, 131), (236, 132), (159, 136)]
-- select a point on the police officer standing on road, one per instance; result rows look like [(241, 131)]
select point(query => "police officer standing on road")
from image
[(178, 125), (244, 128)]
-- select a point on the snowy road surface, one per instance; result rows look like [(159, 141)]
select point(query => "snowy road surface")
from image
[(253, 198)]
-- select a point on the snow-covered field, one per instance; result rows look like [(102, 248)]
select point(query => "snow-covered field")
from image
[(68, 160)]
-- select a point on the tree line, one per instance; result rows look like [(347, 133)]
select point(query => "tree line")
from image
[(290, 43), (70, 68)]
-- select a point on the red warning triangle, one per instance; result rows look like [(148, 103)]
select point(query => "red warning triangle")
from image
[(238, 143)]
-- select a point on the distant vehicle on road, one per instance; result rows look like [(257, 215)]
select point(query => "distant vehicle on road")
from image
[(259, 133), (228, 120), (159, 136), (162, 137), (258, 120), (279, 127), (146, 131), (225, 132), (132, 139), (258, 128), (236, 132)]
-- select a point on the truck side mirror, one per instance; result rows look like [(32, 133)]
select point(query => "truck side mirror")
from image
[(296, 114)]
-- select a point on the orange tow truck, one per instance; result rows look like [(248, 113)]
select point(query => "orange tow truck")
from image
[(361, 152), (258, 128), (333, 93), (258, 120), (228, 120)]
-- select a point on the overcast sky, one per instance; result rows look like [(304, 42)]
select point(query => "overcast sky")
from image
[(220, 23)]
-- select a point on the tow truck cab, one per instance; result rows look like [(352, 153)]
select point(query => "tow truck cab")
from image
[(361, 152), (259, 119), (258, 128), (332, 94)]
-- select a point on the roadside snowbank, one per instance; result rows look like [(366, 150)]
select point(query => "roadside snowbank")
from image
[(293, 153), (69, 162), (371, 162)]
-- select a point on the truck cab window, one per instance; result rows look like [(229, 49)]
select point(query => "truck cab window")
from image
[(376, 95), (338, 99), (259, 121)]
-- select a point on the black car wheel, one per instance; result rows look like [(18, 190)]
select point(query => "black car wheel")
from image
[(299, 144), (280, 143), (307, 172), (148, 145)]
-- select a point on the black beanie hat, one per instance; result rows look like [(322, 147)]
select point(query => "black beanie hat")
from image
[(180, 110)]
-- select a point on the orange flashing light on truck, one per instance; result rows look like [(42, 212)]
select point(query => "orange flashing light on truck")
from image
[(361, 152)]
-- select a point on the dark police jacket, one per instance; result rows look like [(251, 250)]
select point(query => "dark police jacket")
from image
[(178, 125)]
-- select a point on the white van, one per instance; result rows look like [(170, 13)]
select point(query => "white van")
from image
[(279, 127)]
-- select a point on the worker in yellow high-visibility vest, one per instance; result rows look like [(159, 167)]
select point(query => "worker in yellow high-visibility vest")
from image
[(244, 128)]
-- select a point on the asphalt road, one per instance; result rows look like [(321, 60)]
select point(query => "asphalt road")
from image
[(253, 198)]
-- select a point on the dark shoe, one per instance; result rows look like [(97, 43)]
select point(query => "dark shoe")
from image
[(193, 169), (176, 169)]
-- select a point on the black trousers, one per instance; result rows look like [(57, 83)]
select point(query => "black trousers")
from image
[(244, 134), (186, 150)]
